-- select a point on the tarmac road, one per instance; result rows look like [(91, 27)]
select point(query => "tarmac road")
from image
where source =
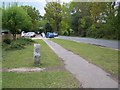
[(114, 44)]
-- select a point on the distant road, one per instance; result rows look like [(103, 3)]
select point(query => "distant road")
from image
[(101, 42)]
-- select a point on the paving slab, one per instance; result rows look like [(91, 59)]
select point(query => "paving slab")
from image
[(89, 75)]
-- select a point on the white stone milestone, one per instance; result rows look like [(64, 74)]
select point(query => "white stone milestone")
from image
[(36, 53)]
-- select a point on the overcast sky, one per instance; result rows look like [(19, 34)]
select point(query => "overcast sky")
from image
[(38, 4)]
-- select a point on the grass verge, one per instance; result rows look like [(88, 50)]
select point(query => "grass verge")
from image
[(105, 58), (38, 80), (24, 57), (45, 79)]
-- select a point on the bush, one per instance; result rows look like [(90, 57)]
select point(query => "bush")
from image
[(7, 41), (17, 44), (24, 41)]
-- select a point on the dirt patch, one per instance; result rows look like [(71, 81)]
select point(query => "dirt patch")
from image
[(23, 70)]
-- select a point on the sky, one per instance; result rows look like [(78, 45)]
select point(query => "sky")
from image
[(38, 4)]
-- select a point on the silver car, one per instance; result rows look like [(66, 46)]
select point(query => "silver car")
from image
[(30, 34)]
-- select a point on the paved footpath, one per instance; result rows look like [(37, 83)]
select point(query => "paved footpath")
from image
[(89, 75)]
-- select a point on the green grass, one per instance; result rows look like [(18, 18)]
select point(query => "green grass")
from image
[(105, 58), (24, 58), (38, 80), (0, 65)]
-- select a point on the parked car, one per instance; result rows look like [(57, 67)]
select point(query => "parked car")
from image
[(22, 34), (55, 34), (5, 32), (49, 35), (28, 34)]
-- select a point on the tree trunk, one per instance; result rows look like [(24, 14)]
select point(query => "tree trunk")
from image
[(14, 36)]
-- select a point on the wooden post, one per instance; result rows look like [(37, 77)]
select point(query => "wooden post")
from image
[(36, 53)]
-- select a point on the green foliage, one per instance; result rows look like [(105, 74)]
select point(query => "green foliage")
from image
[(65, 28), (7, 41), (48, 28), (17, 44), (42, 24), (118, 28), (54, 18), (15, 18), (80, 17), (117, 23), (25, 18), (95, 32), (97, 20), (32, 12), (97, 8), (76, 18), (35, 17)]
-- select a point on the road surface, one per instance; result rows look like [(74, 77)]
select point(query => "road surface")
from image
[(105, 43)]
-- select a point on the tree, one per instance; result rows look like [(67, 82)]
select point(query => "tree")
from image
[(34, 15), (65, 21), (93, 19), (117, 22), (85, 19), (15, 18), (97, 9), (75, 19), (48, 28), (85, 24), (53, 14), (112, 23), (42, 24), (0, 19)]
